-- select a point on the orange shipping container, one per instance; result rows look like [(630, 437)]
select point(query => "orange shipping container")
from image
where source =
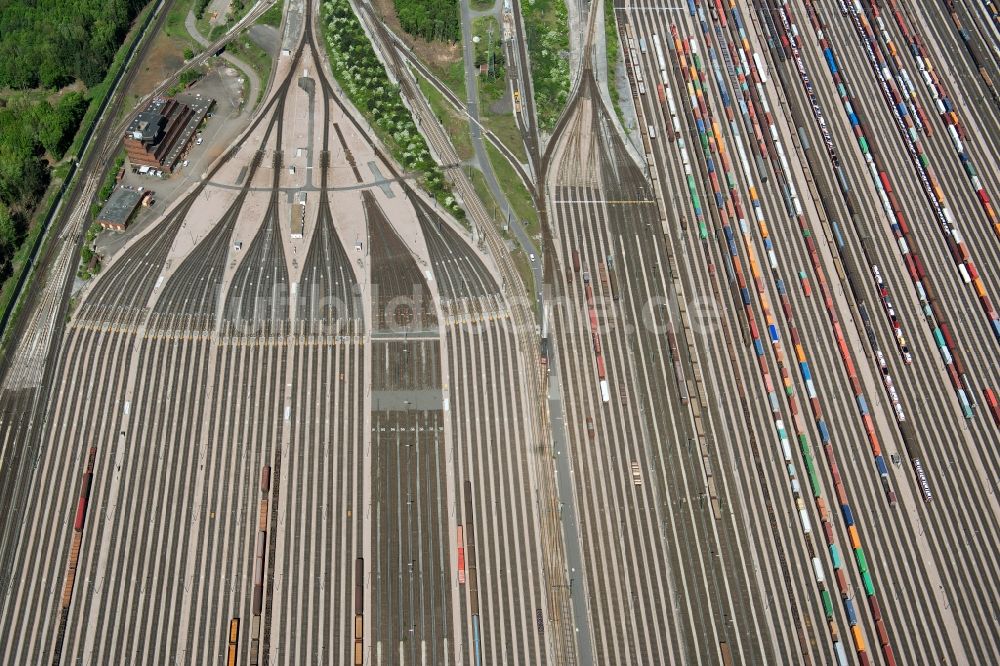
[(852, 532), (859, 640)]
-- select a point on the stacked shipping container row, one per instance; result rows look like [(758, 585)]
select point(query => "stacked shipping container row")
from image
[(690, 74), (790, 41), (932, 188)]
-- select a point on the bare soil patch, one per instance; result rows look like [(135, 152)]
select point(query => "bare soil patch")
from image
[(166, 56)]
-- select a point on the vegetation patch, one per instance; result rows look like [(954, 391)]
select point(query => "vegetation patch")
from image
[(56, 42), (175, 26), (443, 58), (546, 26), (363, 78), (489, 60), (611, 50), (515, 191), (249, 52), (272, 16), (523, 267), (454, 123), (97, 94), (108, 186), (453, 76), (433, 20), (30, 136), (486, 196), (506, 129), (186, 79), (18, 261), (90, 262)]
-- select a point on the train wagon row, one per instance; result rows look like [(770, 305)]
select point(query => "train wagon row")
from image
[(468, 531), (928, 180), (632, 58), (259, 558), (992, 404), (956, 132), (926, 295), (234, 634), (731, 211), (359, 611), (795, 210), (675, 359), (735, 267), (850, 270), (595, 336), (69, 581)]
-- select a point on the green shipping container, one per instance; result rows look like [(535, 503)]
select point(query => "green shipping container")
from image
[(869, 586), (827, 603), (859, 555)]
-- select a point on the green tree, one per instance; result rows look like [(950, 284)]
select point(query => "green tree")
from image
[(56, 126), (52, 42), (9, 238), (9, 230), (433, 20)]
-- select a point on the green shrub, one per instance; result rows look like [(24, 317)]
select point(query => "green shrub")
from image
[(547, 34)]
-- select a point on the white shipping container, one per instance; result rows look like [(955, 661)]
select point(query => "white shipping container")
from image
[(761, 66)]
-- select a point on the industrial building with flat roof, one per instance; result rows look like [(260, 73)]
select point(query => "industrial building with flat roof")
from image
[(119, 209), (160, 134)]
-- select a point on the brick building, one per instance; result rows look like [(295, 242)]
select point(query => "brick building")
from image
[(161, 133)]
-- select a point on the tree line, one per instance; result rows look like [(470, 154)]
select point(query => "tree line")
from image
[(433, 20), (47, 45), (50, 44), (29, 135)]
